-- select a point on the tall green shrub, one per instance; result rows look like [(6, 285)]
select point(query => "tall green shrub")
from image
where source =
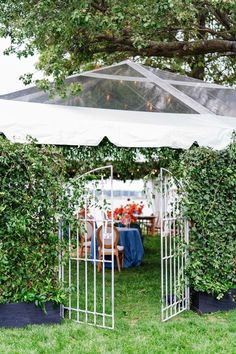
[(209, 181), (31, 179)]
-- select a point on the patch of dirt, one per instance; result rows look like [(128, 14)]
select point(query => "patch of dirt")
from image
[(134, 321), (216, 319)]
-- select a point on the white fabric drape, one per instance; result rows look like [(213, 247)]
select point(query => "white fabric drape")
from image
[(66, 125)]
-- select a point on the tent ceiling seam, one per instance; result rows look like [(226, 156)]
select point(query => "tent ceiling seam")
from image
[(97, 70), (196, 84), (172, 90), (116, 77)]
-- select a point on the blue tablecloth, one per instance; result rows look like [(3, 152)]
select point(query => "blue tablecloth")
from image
[(133, 247)]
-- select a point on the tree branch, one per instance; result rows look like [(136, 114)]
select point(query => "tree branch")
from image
[(219, 34), (192, 48), (102, 7), (222, 17), (166, 49)]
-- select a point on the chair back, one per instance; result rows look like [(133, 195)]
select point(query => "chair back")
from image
[(104, 236), (87, 230)]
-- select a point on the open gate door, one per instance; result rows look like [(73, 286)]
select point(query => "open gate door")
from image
[(174, 242), (88, 277)]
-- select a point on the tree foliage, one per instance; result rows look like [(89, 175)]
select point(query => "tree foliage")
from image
[(197, 37)]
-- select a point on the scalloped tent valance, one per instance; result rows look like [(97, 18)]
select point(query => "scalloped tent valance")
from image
[(130, 104)]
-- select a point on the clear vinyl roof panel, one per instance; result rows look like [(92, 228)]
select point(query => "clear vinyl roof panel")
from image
[(113, 94), (125, 95), (218, 100), (134, 87), (122, 70), (167, 75)]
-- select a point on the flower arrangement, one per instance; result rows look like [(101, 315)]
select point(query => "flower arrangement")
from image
[(128, 213)]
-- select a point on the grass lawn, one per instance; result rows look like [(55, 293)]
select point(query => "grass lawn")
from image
[(138, 327)]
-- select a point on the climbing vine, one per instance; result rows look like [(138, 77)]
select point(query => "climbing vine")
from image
[(128, 163), (34, 196)]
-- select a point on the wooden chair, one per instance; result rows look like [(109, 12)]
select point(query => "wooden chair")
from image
[(152, 226), (105, 246), (85, 238)]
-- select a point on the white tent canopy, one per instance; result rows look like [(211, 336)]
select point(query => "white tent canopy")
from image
[(131, 105)]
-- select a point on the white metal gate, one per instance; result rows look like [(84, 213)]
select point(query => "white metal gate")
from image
[(174, 252), (89, 278)]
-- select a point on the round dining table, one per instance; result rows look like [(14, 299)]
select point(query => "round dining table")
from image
[(131, 240)]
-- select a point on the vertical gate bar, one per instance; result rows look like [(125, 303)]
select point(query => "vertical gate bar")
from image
[(94, 261), (63, 268), (179, 250), (112, 264), (174, 251), (59, 253), (162, 270), (166, 234), (187, 254), (86, 262), (77, 273), (170, 241), (60, 259), (182, 264), (184, 261), (188, 226), (70, 296), (103, 253)]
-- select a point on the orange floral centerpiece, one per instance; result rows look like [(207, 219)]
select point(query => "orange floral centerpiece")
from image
[(128, 213)]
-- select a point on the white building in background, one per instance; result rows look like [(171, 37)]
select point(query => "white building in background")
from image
[(133, 190)]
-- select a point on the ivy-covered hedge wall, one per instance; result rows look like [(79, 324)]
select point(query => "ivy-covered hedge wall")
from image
[(32, 178), (209, 181), (30, 183)]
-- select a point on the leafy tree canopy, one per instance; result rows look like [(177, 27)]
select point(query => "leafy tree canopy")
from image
[(197, 37)]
